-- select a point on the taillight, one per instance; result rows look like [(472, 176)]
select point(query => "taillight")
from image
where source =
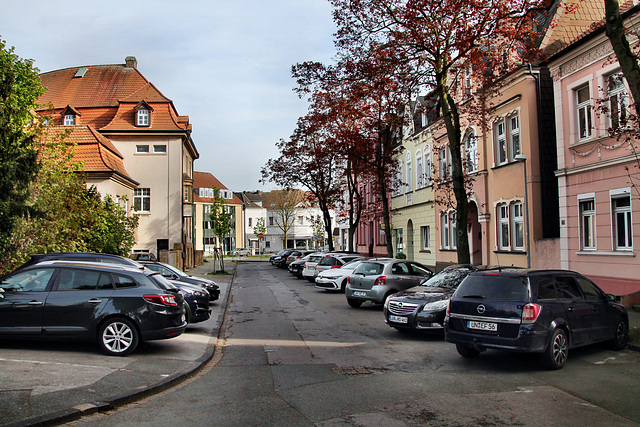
[(530, 313), (348, 280), (335, 266), (169, 300), (380, 281), (448, 308)]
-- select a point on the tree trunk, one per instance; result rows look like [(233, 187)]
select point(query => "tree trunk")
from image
[(383, 143)]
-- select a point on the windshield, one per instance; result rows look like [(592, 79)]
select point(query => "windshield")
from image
[(447, 279), (369, 269)]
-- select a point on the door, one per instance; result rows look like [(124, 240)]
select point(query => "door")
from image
[(580, 314), (603, 318), (22, 301)]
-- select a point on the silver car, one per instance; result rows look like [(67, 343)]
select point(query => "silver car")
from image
[(375, 280)]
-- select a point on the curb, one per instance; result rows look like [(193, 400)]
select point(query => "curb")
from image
[(115, 401)]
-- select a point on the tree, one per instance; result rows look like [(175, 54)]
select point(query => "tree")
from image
[(285, 206), (438, 42), (259, 229), (221, 218), (20, 88)]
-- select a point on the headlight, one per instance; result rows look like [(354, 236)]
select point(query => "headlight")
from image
[(436, 305)]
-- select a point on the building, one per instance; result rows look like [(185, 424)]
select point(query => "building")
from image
[(254, 213), (204, 184), (133, 142)]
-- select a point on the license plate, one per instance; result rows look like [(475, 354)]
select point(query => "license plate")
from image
[(359, 294), (483, 326), (398, 319)]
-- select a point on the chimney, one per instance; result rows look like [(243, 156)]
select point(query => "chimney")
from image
[(131, 62)]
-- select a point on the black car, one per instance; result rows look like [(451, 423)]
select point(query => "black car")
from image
[(423, 307), (114, 306), (176, 275), (277, 255), (297, 266), (294, 256), (196, 302), (81, 257), (281, 260), (538, 311)]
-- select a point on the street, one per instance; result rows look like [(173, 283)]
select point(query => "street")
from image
[(291, 354)]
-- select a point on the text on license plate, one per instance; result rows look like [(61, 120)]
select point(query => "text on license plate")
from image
[(398, 319), (359, 294), (482, 326)]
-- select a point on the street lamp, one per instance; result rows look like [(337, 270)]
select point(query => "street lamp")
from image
[(522, 158)]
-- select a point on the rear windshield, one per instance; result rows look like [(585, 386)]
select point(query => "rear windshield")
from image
[(495, 288), (315, 258), (328, 261), (369, 269)]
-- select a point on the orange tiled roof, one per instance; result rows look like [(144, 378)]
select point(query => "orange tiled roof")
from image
[(207, 180)]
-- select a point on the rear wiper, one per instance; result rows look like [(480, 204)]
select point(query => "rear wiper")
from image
[(473, 296)]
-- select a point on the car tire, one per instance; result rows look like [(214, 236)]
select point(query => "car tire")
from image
[(118, 337), (621, 337), (555, 356), (355, 303), (311, 279), (343, 286), (467, 351), (187, 313)]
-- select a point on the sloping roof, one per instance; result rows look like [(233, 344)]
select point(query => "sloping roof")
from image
[(96, 152), (207, 180)]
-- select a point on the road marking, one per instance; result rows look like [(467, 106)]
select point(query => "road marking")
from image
[(289, 343), (39, 362)]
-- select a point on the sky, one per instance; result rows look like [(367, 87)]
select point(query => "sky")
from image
[(224, 63)]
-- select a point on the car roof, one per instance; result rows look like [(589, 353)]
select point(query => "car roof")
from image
[(88, 264)]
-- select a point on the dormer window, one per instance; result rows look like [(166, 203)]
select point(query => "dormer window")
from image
[(143, 118), (69, 116), (143, 114)]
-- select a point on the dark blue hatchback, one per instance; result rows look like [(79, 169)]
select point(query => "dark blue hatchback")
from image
[(539, 311)]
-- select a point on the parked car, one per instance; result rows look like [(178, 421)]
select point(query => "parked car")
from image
[(334, 260), (423, 307), (279, 260), (175, 274), (537, 311), (143, 256), (196, 302), (114, 306), (376, 280), (309, 269), (296, 255), (242, 252), (335, 279), (297, 266), (82, 257), (277, 254)]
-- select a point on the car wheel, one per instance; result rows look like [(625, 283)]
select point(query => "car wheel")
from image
[(187, 312), (467, 351), (621, 337), (311, 279), (118, 337), (555, 356), (343, 286), (355, 303)]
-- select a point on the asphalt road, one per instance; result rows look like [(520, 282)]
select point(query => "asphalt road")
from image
[(290, 354)]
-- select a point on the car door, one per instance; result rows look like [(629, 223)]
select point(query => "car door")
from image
[(580, 314), (76, 301), (603, 318), (401, 276), (419, 273), (22, 301)]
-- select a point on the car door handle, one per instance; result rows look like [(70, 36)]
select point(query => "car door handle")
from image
[(569, 308), (34, 303), (95, 301)]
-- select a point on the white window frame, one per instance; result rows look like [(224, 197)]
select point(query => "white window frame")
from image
[(419, 170), (624, 213), (425, 232), (515, 146), (409, 173), (584, 113), (517, 225), (142, 117), (428, 178), (142, 200), (471, 151), (444, 219), (618, 99), (500, 133), (142, 149), (588, 215), (160, 149), (503, 226), (453, 226), (445, 164), (69, 119)]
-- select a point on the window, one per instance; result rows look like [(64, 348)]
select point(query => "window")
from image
[(583, 106), (622, 228), (426, 237), (507, 139), (503, 226), (399, 188), (250, 221), (445, 163), (618, 107), (517, 226), (270, 220), (471, 151), (300, 220), (427, 166), (445, 230), (448, 220), (419, 171), (142, 148), (587, 225), (409, 176), (187, 193), (34, 280), (159, 149), (142, 117), (453, 224), (69, 120), (142, 200)]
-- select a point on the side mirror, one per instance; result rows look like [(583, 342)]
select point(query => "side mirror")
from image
[(611, 297)]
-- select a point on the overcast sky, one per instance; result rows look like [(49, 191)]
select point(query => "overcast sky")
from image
[(224, 63)]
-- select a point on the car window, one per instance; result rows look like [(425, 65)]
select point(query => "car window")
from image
[(315, 258), (591, 291), (123, 281), (419, 270), (328, 261), (83, 280), (447, 279), (546, 289), (160, 269), (494, 287), (568, 288), (400, 268), (369, 269), (34, 280)]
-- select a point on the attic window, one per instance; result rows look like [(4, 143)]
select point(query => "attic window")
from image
[(81, 72), (69, 119), (142, 117)]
